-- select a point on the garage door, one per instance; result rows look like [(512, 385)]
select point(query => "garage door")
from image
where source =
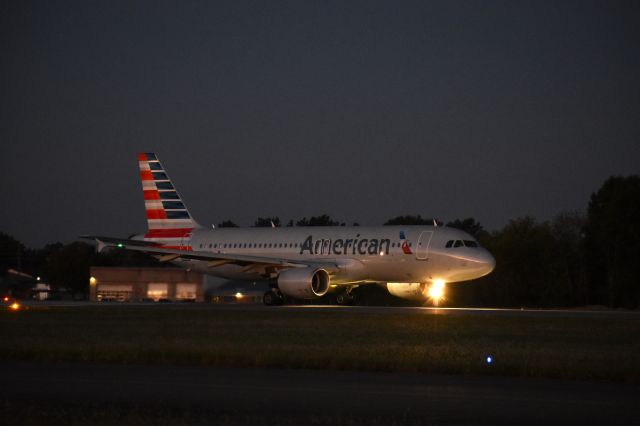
[(157, 291), (114, 292), (185, 291)]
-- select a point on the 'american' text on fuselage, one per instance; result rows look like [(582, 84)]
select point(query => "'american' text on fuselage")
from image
[(346, 246)]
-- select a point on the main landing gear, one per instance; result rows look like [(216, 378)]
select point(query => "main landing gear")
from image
[(272, 298), (346, 297)]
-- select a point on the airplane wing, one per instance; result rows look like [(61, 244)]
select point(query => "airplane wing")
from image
[(255, 263)]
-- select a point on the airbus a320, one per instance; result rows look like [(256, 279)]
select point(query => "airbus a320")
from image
[(413, 262)]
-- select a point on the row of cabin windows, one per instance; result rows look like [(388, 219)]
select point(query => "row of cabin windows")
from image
[(461, 243), (265, 245)]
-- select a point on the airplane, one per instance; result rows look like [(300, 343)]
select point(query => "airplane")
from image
[(412, 262)]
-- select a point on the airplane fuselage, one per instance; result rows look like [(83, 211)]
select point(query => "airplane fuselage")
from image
[(362, 254)]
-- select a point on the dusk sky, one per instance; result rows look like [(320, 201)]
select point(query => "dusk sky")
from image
[(361, 110)]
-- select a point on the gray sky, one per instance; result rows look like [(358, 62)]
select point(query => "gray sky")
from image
[(362, 110)]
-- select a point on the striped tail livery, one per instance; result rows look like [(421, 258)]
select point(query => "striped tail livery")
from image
[(169, 222)]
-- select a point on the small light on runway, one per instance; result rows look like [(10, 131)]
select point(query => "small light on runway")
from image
[(489, 359)]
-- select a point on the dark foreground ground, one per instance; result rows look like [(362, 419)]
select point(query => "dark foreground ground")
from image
[(90, 393), (191, 364), (590, 346)]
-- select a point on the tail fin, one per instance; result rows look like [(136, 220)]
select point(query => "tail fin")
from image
[(168, 219)]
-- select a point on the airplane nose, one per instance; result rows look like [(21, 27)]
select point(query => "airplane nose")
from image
[(489, 262)]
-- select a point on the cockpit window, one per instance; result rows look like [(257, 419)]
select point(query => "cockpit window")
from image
[(461, 243)]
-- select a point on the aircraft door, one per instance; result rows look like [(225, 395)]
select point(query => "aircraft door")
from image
[(422, 251)]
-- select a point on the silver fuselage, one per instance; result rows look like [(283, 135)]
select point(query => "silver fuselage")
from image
[(360, 254)]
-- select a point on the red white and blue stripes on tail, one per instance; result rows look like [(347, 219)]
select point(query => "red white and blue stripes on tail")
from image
[(169, 222)]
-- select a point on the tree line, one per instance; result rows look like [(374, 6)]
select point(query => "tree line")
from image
[(575, 259)]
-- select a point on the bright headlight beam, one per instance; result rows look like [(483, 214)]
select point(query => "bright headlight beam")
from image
[(436, 291)]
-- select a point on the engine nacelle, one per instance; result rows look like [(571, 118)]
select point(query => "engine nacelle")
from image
[(304, 283), (411, 291)]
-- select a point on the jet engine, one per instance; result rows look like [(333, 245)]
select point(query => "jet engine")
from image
[(411, 291), (304, 283), (433, 292)]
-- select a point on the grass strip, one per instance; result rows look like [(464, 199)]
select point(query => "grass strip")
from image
[(567, 348)]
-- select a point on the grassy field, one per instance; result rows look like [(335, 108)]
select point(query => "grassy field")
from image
[(570, 348)]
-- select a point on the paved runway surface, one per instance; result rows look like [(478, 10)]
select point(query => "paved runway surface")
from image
[(429, 399), (551, 313)]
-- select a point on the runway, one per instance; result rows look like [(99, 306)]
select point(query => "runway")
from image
[(382, 310), (282, 394)]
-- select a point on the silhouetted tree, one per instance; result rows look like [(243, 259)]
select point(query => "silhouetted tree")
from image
[(227, 224), (323, 220), (612, 242), (568, 233), (470, 226), (11, 253), (265, 222), (528, 266), (69, 266), (410, 220)]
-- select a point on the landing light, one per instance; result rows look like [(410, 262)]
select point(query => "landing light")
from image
[(436, 292), (15, 306), (239, 295)]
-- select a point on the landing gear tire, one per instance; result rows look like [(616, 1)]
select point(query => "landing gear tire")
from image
[(345, 299), (272, 298)]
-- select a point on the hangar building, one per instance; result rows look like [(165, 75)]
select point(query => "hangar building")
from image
[(145, 284)]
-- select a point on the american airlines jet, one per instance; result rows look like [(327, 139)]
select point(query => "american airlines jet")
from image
[(414, 262)]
